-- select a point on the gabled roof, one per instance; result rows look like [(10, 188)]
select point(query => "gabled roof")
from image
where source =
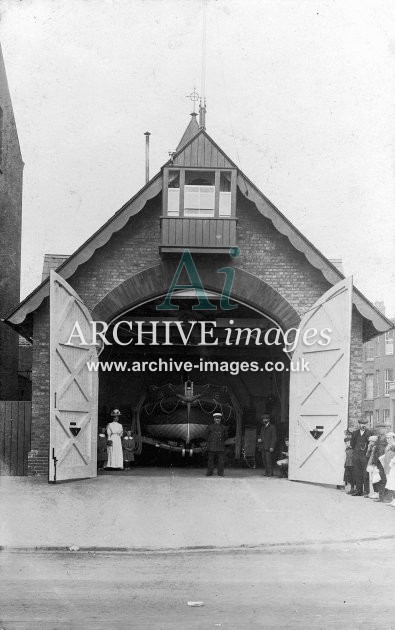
[(200, 148)]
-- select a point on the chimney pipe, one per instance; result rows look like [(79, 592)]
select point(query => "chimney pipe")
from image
[(147, 135)]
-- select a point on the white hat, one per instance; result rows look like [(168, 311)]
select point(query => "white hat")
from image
[(116, 412), (217, 413)]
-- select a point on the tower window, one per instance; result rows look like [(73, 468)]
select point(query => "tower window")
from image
[(173, 197), (200, 194), (225, 195)]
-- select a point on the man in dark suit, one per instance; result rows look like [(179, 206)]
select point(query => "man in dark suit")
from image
[(359, 443), (216, 435), (267, 439)]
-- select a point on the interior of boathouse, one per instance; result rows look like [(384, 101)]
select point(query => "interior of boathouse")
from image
[(167, 384)]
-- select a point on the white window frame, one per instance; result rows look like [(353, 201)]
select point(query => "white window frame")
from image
[(199, 201), (369, 416), (389, 343), (377, 416), (173, 202), (369, 346), (225, 204), (369, 389), (387, 381), (377, 383)]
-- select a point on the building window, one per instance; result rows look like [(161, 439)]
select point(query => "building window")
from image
[(389, 378), (369, 418), (377, 416), (377, 383), (200, 194), (386, 415), (225, 195), (378, 347), (389, 342), (173, 196), (199, 201), (369, 351), (369, 387)]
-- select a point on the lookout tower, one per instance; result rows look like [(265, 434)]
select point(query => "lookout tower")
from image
[(199, 195)]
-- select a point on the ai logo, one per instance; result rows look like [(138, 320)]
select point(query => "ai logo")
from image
[(187, 263)]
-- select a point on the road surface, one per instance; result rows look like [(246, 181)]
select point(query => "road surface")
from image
[(324, 586)]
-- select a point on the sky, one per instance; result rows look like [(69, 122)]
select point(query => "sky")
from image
[(300, 94)]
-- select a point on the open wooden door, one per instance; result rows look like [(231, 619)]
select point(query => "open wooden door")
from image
[(73, 388), (318, 408)]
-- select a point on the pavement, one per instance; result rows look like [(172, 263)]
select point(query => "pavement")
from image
[(347, 585), (173, 509)]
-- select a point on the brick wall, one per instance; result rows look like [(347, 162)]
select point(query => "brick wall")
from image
[(11, 168), (269, 255), (264, 252), (38, 456), (356, 368), (129, 251)]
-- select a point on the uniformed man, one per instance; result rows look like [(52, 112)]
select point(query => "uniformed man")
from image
[(267, 440), (216, 435), (359, 443)]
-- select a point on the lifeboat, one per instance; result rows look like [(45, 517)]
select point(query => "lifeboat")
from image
[(178, 416)]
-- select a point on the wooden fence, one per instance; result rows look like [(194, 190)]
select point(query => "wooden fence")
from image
[(15, 423)]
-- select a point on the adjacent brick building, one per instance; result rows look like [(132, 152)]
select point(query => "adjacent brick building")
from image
[(202, 202), (11, 169), (379, 375)]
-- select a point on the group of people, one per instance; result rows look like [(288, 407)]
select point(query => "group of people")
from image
[(369, 468), (114, 450), (266, 443)]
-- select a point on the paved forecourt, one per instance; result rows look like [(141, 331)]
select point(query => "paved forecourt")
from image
[(178, 508)]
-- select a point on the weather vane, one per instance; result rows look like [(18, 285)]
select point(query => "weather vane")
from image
[(194, 96)]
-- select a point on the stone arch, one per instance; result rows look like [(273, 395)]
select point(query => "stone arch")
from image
[(155, 281)]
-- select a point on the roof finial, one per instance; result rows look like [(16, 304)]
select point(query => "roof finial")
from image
[(194, 96)]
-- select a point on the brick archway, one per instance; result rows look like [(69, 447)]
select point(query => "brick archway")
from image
[(155, 281)]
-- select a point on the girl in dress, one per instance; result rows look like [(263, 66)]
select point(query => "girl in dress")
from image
[(371, 467), (390, 485), (114, 445), (128, 449)]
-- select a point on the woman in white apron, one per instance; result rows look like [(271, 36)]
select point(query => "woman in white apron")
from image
[(114, 441)]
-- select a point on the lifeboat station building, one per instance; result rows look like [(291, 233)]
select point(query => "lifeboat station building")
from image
[(200, 286)]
